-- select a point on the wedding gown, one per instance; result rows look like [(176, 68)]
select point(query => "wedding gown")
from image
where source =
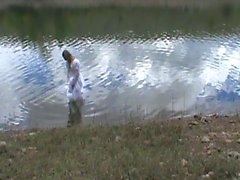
[(75, 81)]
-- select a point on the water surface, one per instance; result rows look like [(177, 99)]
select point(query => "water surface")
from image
[(147, 63)]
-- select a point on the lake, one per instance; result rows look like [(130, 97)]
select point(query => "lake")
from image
[(138, 64)]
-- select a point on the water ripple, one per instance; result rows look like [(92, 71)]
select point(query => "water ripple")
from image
[(124, 76)]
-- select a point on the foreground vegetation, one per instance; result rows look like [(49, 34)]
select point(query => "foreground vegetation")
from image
[(190, 148)]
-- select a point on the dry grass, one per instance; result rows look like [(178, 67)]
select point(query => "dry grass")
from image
[(191, 148)]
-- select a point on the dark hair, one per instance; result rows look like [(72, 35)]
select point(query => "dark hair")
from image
[(66, 54)]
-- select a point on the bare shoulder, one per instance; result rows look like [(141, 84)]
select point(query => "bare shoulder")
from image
[(76, 63)]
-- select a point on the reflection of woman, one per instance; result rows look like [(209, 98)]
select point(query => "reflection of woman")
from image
[(75, 87), (75, 114)]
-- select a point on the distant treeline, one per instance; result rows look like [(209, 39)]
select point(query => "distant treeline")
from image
[(5, 4), (36, 23)]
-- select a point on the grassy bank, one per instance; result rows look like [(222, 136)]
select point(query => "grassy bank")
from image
[(198, 147)]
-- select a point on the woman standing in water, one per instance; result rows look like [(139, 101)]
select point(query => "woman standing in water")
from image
[(75, 88)]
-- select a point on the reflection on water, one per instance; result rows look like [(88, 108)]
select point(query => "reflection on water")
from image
[(75, 112), (99, 22), (168, 72)]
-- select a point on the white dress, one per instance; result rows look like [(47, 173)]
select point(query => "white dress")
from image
[(75, 81)]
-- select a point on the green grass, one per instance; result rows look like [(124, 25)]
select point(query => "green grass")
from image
[(134, 151)]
